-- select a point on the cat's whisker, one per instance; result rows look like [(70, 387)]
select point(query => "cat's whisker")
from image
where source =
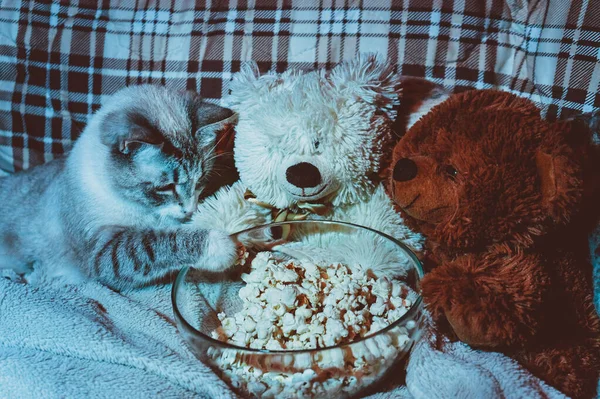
[(220, 154), (212, 173), (212, 150), (214, 147), (217, 156)]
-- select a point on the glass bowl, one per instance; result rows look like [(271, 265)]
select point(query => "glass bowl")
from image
[(338, 371)]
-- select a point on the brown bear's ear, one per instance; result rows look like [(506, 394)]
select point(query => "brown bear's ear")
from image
[(501, 101), (560, 182)]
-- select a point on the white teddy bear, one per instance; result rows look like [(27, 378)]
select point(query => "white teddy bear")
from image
[(312, 145)]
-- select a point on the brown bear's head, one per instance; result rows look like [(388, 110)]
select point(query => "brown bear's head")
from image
[(483, 168)]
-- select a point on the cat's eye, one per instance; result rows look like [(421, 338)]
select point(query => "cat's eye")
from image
[(451, 171), (166, 189)]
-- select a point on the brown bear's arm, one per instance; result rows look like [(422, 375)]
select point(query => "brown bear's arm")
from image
[(490, 300)]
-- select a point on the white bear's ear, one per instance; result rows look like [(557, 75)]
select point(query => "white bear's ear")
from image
[(247, 85), (248, 74), (369, 77)]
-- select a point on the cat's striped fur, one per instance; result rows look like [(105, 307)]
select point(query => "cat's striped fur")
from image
[(115, 208)]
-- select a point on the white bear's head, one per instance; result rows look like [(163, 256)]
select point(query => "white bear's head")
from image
[(314, 136)]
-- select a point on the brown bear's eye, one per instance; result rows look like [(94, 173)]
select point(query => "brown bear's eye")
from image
[(451, 171)]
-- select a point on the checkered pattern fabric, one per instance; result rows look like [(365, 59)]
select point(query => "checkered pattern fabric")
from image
[(59, 59)]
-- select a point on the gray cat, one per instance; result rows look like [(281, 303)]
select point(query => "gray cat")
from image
[(115, 208)]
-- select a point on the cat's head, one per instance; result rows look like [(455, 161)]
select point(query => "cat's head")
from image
[(161, 147)]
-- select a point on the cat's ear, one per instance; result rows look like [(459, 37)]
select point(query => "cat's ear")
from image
[(207, 116), (213, 124), (215, 127), (129, 132), (220, 134)]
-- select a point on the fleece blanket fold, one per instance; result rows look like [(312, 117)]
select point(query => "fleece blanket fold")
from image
[(90, 341)]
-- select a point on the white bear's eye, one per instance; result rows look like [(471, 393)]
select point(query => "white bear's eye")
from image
[(317, 143)]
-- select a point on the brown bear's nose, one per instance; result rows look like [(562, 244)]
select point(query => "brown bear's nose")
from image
[(303, 175), (405, 170)]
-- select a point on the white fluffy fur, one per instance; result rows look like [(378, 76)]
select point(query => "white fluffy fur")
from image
[(220, 253), (348, 111), (227, 210), (282, 117)]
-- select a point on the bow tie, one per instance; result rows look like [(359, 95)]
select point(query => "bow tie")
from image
[(300, 211)]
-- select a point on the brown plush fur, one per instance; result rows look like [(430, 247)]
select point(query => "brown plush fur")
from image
[(496, 191)]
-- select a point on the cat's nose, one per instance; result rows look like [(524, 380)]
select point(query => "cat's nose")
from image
[(188, 211), (188, 214), (189, 206), (303, 175), (405, 170)]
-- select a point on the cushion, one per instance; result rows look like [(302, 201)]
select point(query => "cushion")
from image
[(57, 62)]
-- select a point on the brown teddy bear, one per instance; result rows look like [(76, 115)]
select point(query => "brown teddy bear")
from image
[(495, 190)]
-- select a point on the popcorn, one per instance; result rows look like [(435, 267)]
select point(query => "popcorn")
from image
[(379, 307), (291, 305), (382, 288), (263, 330), (303, 312), (335, 331), (286, 275), (333, 358), (243, 255), (257, 388), (249, 324), (249, 292), (229, 326)]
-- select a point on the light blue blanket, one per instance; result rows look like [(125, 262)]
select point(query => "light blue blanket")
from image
[(88, 341)]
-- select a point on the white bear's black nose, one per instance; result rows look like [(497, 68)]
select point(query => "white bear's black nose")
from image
[(303, 175), (405, 170)]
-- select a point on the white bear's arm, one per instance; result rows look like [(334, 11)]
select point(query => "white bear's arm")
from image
[(227, 210), (373, 251), (378, 213)]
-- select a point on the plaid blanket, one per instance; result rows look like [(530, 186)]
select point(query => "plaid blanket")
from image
[(58, 59)]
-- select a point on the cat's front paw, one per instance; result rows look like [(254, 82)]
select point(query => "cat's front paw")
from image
[(221, 252)]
